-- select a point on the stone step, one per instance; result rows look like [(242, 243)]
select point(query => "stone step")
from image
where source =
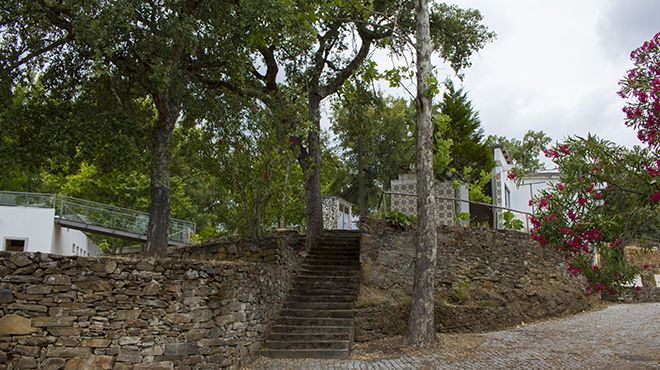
[(322, 291), (325, 285), (331, 260), (355, 273), (317, 267), (327, 314), (336, 248), (316, 344), (306, 353), (303, 329), (349, 278), (307, 262), (321, 298), (312, 336), (338, 241), (319, 305), (314, 321), (334, 254)]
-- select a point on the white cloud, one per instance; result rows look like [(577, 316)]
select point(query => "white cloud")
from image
[(555, 65)]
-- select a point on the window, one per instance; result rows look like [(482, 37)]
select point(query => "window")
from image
[(507, 197), (15, 245)]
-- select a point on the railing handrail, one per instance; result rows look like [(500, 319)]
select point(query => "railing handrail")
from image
[(92, 203), (460, 200), (60, 202)]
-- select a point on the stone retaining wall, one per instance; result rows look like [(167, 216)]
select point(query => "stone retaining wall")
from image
[(485, 280), (123, 313)]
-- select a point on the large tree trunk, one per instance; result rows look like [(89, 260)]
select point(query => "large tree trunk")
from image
[(311, 166), (363, 197), (281, 222), (421, 325), (159, 210)]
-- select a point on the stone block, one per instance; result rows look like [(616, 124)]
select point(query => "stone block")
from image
[(129, 355), (23, 362), (127, 314), (27, 350), (48, 321), (61, 331), (6, 296), (38, 289), (52, 363), (67, 352), (96, 342), (63, 280), (163, 365), (180, 350), (90, 363), (27, 307), (13, 324), (20, 259)]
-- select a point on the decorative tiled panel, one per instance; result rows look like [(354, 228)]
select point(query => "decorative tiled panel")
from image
[(332, 209), (445, 209)]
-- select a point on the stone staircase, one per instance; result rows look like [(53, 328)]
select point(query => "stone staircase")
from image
[(317, 317)]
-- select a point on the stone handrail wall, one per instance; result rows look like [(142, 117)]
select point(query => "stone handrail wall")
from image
[(124, 313), (485, 280)]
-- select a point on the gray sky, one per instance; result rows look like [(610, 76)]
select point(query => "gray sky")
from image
[(555, 65)]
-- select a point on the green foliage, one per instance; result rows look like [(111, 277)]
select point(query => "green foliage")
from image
[(400, 220), (600, 205), (476, 188), (511, 222), (463, 292), (442, 146), (526, 153), (469, 153), (374, 132)]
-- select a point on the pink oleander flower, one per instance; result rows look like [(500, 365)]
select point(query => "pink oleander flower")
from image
[(598, 196), (560, 186), (572, 215), (655, 197), (582, 201), (599, 287), (511, 176)]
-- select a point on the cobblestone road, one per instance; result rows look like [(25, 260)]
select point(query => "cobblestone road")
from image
[(624, 336)]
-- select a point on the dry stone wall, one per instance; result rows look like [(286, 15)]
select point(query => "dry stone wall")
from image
[(134, 313), (485, 280)]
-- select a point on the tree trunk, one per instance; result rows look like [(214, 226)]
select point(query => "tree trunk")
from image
[(281, 222), (159, 210), (311, 166), (421, 325), (363, 197)]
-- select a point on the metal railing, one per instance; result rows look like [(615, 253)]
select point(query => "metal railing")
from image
[(498, 220), (117, 218), (97, 214), (23, 199)]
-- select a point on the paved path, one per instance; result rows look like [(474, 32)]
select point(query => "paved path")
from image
[(622, 336)]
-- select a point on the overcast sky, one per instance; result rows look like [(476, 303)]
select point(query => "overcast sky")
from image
[(555, 65)]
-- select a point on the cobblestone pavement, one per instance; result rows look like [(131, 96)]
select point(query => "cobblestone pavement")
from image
[(621, 336)]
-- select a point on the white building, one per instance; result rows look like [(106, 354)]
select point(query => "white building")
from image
[(31, 227), (514, 195), (337, 214)]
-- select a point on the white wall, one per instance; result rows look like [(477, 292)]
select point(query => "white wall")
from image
[(31, 223), (529, 187), (70, 242)]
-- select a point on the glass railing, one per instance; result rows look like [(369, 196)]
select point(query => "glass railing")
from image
[(97, 214)]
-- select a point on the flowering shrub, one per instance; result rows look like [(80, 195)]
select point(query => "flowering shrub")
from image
[(600, 204), (642, 89), (608, 195)]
